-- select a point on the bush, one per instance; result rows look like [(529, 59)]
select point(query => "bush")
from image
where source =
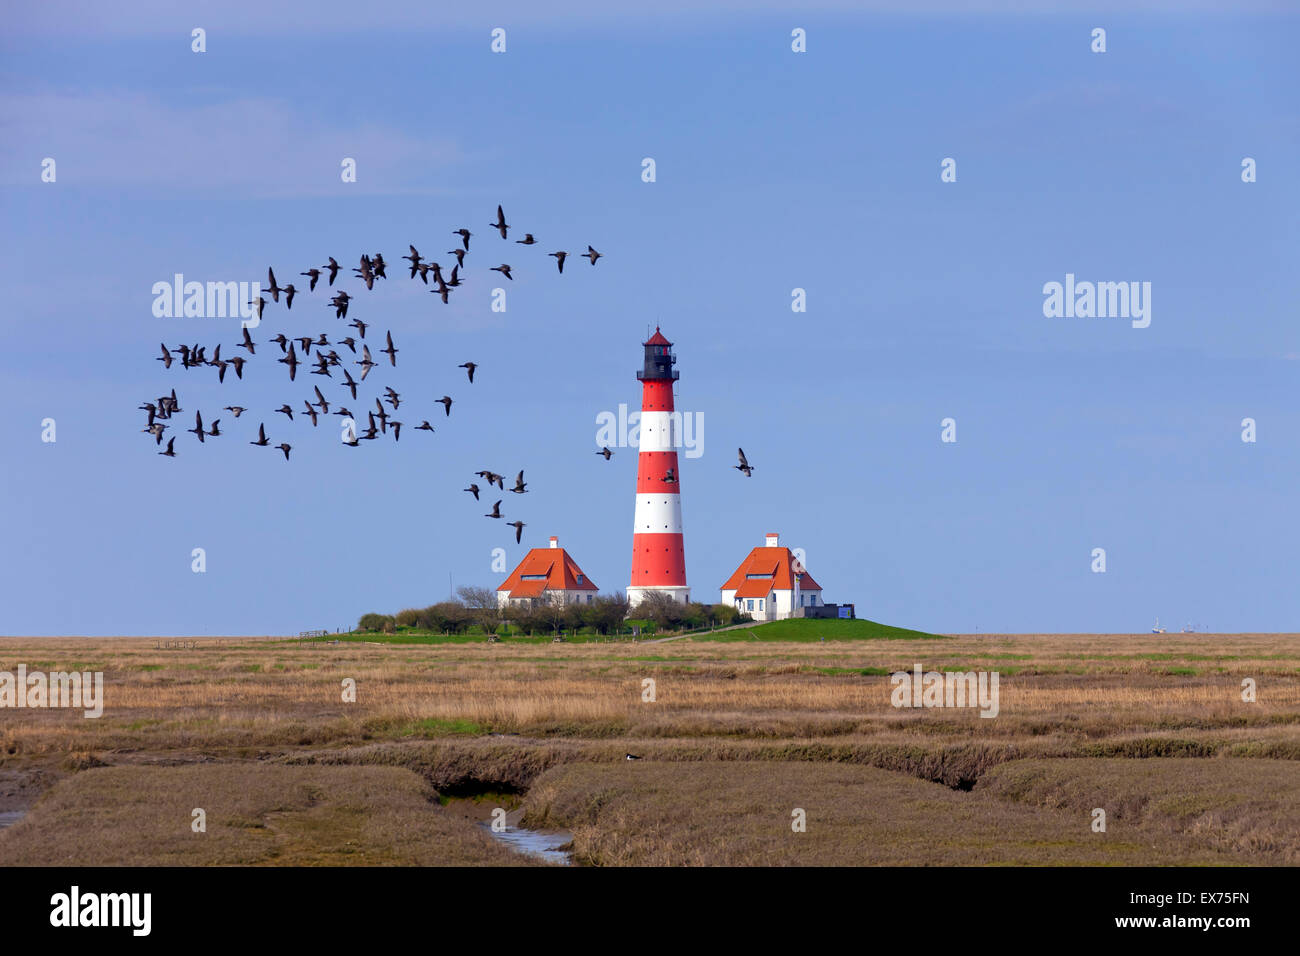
[(375, 622), (407, 617)]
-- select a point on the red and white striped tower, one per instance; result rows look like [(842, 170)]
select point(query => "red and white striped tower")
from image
[(658, 558)]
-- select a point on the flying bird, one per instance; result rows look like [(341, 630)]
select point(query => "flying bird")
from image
[(592, 254), (521, 486), (312, 274), (500, 225), (287, 410), (390, 351), (519, 529), (198, 426), (606, 452), (527, 240), (166, 358), (284, 447), (333, 268), (247, 343), (446, 404), (744, 467), (459, 254), (464, 237), (261, 436), (424, 426), (495, 512), (470, 366), (171, 451), (291, 360), (472, 489), (559, 258), (235, 410)]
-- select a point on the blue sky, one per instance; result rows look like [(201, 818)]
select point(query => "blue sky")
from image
[(775, 170)]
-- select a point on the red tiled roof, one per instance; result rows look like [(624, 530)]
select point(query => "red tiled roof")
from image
[(774, 561), (757, 588), (657, 339), (561, 571)]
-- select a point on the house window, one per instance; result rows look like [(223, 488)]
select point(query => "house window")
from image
[(749, 605), (532, 577), (579, 578), (760, 604), (758, 577)]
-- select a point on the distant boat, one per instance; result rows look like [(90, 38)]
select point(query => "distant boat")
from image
[(1157, 629)]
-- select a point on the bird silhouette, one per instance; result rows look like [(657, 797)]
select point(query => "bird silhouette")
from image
[(472, 489), (500, 225), (261, 436), (333, 269), (247, 343), (592, 254), (390, 351), (424, 426), (235, 410), (287, 410), (519, 529), (606, 452), (312, 274), (504, 269), (198, 426), (291, 360), (166, 358), (171, 451), (521, 486), (446, 404), (470, 366), (464, 236), (559, 258), (495, 512), (527, 240), (744, 467), (284, 447)]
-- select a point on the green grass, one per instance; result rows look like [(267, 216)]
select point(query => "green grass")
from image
[(813, 629)]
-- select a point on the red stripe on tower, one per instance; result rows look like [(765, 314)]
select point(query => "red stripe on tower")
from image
[(658, 555)]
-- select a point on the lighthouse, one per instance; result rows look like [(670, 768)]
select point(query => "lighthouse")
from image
[(658, 558)]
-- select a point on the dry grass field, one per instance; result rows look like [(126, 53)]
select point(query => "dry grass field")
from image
[(1152, 728)]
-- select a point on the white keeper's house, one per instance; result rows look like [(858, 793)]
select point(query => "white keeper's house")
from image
[(771, 584), (544, 576)]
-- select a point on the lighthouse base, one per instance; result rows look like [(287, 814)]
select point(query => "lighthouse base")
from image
[(682, 595)]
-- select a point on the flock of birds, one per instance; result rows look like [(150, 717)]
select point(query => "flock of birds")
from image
[(380, 420)]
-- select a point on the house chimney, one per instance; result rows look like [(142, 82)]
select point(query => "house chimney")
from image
[(772, 540), (555, 542)]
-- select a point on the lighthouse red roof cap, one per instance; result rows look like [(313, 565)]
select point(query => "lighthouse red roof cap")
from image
[(657, 339)]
